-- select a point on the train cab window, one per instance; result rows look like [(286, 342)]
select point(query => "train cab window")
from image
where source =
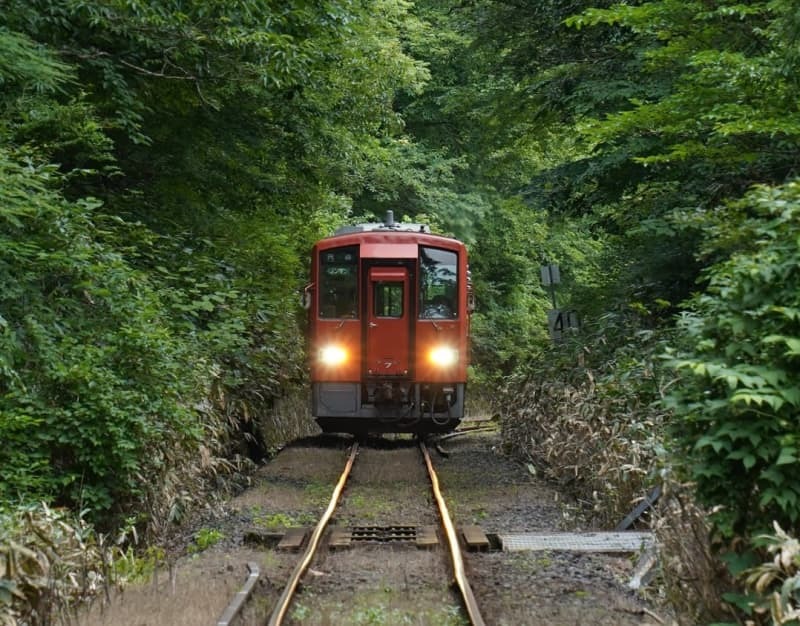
[(338, 283), (438, 283), (388, 299)]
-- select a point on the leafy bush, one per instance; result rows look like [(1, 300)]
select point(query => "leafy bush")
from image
[(204, 539), (94, 383), (512, 244), (148, 331), (738, 399)]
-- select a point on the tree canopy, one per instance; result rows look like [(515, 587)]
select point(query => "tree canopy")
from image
[(166, 167)]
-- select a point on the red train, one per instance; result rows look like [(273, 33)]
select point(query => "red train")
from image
[(389, 312)]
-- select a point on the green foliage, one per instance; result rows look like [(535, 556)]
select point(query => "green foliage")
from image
[(510, 309), (204, 539), (717, 113), (92, 378), (637, 115), (23, 64), (738, 401), (274, 520), (130, 567), (734, 95), (165, 170)]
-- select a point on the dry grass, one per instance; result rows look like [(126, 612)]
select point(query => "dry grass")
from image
[(693, 577), (195, 593), (50, 564), (599, 433), (600, 441)]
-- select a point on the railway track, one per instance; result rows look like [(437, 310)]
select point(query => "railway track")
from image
[(320, 532)]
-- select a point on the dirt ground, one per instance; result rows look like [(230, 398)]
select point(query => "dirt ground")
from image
[(392, 583)]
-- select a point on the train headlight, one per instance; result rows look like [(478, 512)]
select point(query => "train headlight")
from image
[(332, 355), (444, 356)]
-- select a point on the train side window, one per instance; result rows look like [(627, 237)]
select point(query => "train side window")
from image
[(388, 299), (338, 288), (438, 283)]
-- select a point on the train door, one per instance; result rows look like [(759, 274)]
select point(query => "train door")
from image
[(388, 322)]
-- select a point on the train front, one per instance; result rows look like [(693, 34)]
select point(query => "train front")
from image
[(389, 323)]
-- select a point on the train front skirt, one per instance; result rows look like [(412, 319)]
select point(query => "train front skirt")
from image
[(387, 406)]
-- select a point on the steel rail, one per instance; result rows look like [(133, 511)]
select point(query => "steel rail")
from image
[(232, 610), (279, 612), (475, 617)]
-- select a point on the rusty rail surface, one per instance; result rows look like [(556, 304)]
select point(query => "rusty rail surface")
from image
[(471, 605), (279, 612)]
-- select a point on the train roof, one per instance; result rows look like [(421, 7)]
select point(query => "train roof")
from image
[(388, 224), (395, 227), (388, 232)]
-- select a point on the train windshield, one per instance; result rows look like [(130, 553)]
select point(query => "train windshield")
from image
[(438, 283), (338, 283)]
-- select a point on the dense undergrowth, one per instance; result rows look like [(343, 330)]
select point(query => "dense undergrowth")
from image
[(586, 415), (589, 415)]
